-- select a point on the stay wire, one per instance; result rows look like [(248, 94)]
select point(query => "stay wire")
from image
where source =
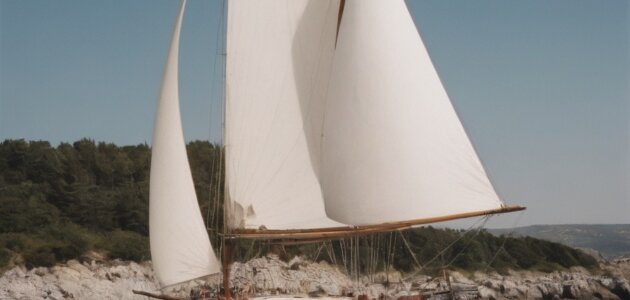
[(505, 237), (470, 228), (478, 230)]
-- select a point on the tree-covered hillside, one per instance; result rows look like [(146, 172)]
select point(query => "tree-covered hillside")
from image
[(56, 203), (611, 240)]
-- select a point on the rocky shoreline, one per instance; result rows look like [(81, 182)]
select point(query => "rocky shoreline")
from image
[(271, 276)]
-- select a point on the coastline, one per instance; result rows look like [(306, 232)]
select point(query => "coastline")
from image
[(269, 275)]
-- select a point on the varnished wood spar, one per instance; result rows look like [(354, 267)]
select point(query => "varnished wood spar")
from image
[(157, 296), (227, 261), (339, 232)]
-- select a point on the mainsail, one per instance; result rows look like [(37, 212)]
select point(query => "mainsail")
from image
[(180, 248)]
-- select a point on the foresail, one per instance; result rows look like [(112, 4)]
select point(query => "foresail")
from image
[(279, 54), (180, 248), (393, 147)]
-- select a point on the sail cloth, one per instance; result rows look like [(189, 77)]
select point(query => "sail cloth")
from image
[(180, 248), (279, 55), (363, 126), (393, 147)]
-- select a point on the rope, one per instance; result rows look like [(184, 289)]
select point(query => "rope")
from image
[(342, 243), (502, 247), (319, 250), (215, 178), (332, 250), (485, 220), (447, 247), (413, 255)]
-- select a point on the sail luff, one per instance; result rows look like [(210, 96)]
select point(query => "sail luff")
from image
[(180, 248)]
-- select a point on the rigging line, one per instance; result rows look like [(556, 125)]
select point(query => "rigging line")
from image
[(218, 200), (319, 250), (479, 229), (332, 250), (444, 250), (376, 247), (413, 255), (453, 243), (248, 254), (394, 249), (210, 189), (344, 254), (218, 191), (357, 267), (351, 250), (370, 265), (389, 249), (505, 237), (214, 177), (330, 255)]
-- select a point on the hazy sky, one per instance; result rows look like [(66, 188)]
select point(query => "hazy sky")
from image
[(542, 87)]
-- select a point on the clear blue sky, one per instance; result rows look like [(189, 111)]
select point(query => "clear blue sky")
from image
[(541, 86)]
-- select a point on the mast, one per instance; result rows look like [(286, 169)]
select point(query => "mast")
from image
[(226, 257)]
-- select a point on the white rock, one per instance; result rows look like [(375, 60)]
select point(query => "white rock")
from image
[(486, 293)]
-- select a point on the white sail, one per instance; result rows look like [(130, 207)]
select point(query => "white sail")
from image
[(393, 147), (279, 54), (180, 248)]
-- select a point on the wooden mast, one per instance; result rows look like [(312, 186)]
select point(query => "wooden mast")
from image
[(226, 257), (226, 263)]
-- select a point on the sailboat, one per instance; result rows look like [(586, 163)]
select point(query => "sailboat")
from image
[(336, 124)]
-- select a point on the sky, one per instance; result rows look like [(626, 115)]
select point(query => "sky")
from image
[(542, 87)]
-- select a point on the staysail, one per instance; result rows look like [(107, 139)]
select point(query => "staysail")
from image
[(279, 55), (180, 248)]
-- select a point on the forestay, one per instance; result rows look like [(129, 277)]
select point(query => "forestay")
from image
[(180, 248)]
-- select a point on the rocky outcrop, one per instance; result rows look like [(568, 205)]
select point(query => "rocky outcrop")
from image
[(75, 280), (270, 275), (297, 276)]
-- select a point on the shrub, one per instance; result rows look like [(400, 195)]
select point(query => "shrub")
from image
[(127, 245), (5, 257), (41, 256)]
